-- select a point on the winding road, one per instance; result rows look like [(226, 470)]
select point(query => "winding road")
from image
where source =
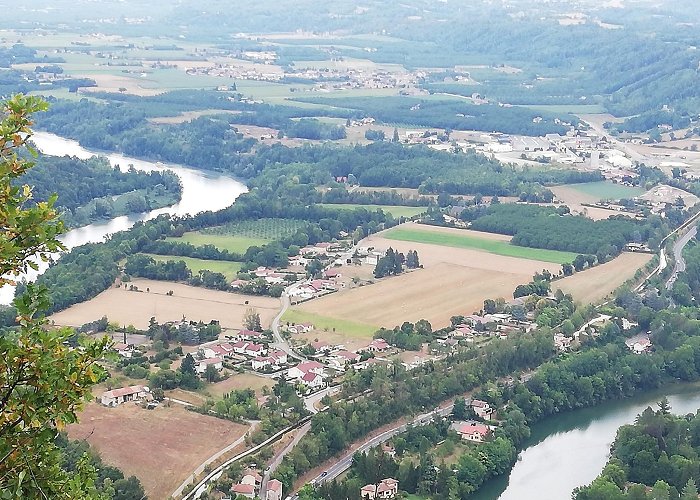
[(678, 247)]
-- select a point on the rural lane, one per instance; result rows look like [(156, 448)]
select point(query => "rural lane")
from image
[(277, 460)]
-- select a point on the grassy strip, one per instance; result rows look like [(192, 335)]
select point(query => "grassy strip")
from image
[(395, 210), (475, 243), (605, 190)]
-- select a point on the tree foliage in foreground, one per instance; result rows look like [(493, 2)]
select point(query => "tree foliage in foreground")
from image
[(43, 381)]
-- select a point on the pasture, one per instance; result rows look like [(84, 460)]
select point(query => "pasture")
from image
[(395, 210), (161, 447), (197, 304), (239, 381), (331, 329), (475, 240), (227, 268), (232, 243)]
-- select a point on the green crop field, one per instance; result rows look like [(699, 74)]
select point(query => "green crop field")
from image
[(266, 229), (472, 242), (395, 210), (349, 328), (227, 268), (567, 108), (605, 190), (235, 244)]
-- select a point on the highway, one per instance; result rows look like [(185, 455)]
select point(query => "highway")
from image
[(344, 463), (678, 247)]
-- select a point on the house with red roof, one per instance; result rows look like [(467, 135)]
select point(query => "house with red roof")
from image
[(124, 350), (377, 345), (312, 380), (309, 373), (245, 490), (348, 357), (274, 490), (122, 395), (471, 431)]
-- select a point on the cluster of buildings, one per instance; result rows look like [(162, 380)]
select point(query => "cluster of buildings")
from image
[(386, 488), (115, 397), (501, 324), (250, 483)]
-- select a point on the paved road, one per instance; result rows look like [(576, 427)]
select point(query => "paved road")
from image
[(277, 460), (678, 247)]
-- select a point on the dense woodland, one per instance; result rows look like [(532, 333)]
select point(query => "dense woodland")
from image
[(89, 189)]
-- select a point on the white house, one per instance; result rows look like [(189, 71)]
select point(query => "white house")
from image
[(482, 409), (201, 366), (312, 380), (471, 431), (118, 396), (300, 370)]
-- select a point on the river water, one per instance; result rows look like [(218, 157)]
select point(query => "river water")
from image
[(570, 450), (201, 191)]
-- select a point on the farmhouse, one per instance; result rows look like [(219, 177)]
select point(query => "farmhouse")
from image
[(387, 488), (274, 490), (481, 408), (471, 431), (118, 396), (639, 343), (124, 350), (217, 363)]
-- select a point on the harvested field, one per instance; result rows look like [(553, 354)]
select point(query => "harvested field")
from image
[(595, 284), (460, 238), (240, 381), (136, 308), (161, 447)]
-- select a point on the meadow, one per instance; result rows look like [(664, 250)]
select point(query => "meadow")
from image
[(605, 190), (232, 243), (227, 268), (394, 210)]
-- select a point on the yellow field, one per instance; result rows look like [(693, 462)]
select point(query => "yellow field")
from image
[(136, 308), (595, 284)]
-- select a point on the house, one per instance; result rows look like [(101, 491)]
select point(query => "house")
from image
[(279, 357), (245, 490), (201, 366), (332, 273), (300, 328), (248, 335), (471, 431), (118, 396), (372, 258), (274, 490), (312, 380), (377, 345), (387, 488), (251, 476), (298, 371), (217, 350), (639, 344), (275, 360), (348, 357), (261, 362), (482, 409), (253, 349), (124, 350), (321, 347), (561, 342)]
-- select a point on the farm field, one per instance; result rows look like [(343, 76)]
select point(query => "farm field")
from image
[(574, 199), (453, 281), (605, 190), (232, 243), (239, 381), (227, 268), (485, 242), (595, 284), (261, 229), (331, 329), (161, 447), (197, 304), (395, 210)]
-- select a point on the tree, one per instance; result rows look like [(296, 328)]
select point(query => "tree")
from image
[(395, 137), (43, 382), (251, 320), (490, 306), (690, 491)]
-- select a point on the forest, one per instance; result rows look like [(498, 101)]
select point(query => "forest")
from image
[(89, 189), (545, 227)]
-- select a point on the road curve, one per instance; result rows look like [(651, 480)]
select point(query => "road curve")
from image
[(678, 247)]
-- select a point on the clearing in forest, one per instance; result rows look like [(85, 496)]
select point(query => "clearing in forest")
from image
[(485, 242)]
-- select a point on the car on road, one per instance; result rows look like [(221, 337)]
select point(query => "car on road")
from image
[(324, 473)]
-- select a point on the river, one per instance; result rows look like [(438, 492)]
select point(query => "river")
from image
[(201, 191), (570, 450)]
